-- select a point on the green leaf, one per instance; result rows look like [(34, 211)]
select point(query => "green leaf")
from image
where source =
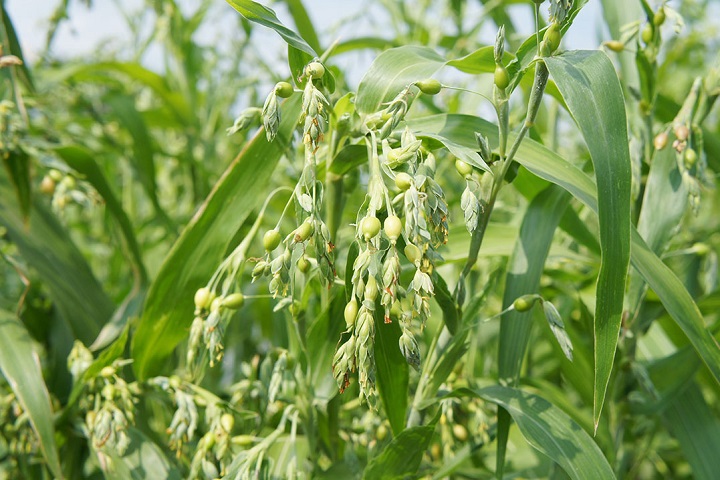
[(200, 248), (264, 16), (549, 430), (591, 89), (20, 366), (550, 166), (466, 154), (143, 459), (13, 47), (557, 327), (17, 165), (391, 371), (392, 71), (697, 429), (321, 339), (48, 249), (402, 456), (82, 161), (524, 271), (447, 302)]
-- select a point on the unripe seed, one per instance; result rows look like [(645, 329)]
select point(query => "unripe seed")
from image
[(551, 39), (464, 169), (429, 86), (107, 372), (660, 140), (56, 175), (315, 70), (227, 421), (304, 231), (502, 79), (350, 313), (690, 158), (647, 34), (233, 301), (284, 89), (303, 264), (403, 181), (393, 227), (381, 432), (460, 432), (47, 185), (615, 45), (271, 240), (659, 17), (69, 182), (371, 289), (203, 297), (682, 132), (413, 253), (370, 226), (524, 303)]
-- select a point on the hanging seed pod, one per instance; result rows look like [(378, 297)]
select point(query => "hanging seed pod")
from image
[(315, 70), (463, 168), (413, 254), (502, 79), (429, 86), (393, 228), (271, 240), (614, 46), (525, 303), (403, 181), (233, 301), (660, 141), (203, 298), (370, 227), (350, 313)]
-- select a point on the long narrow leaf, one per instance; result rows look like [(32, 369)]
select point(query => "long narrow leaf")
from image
[(591, 89), (21, 367), (391, 372), (190, 263)]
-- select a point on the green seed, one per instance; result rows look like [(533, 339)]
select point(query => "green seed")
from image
[(351, 311), (463, 168), (502, 79), (370, 227), (393, 227), (56, 175), (690, 158), (682, 132), (615, 46), (413, 253), (371, 289), (429, 86), (551, 40), (524, 303), (233, 301), (203, 298), (304, 231), (47, 185), (647, 34), (659, 17), (284, 89), (271, 240), (315, 70), (227, 421), (460, 432), (403, 181), (216, 304), (303, 264)]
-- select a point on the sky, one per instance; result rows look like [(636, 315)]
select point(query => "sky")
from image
[(103, 22)]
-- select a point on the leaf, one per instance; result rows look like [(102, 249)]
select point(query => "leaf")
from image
[(524, 271), (17, 165), (82, 161), (264, 16), (321, 338), (558, 328), (467, 155), (391, 370), (13, 46), (697, 429), (392, 71), (48, 249), (446, 301), (194, 257), (549, 430), (20, 366), (402, 456), (591, 89), (143, 459), (351, 156), (303, 23), (550, 166), (352, 254)]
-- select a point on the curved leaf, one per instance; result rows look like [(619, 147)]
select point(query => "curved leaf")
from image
[(391, 371), (193, 258), (21, 367), (47, 248), (392, 71), (549, 430), (264, 16), (550, 166), (591, 89)]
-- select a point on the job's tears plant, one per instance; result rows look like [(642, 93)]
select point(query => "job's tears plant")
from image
[(355, 296)]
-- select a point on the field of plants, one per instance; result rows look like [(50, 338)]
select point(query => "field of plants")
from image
[(444, 244)]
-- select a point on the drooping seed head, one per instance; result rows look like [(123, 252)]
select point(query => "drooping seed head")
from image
[(370, 227)]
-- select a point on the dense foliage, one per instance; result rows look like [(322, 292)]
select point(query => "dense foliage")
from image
[(475, 260)]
